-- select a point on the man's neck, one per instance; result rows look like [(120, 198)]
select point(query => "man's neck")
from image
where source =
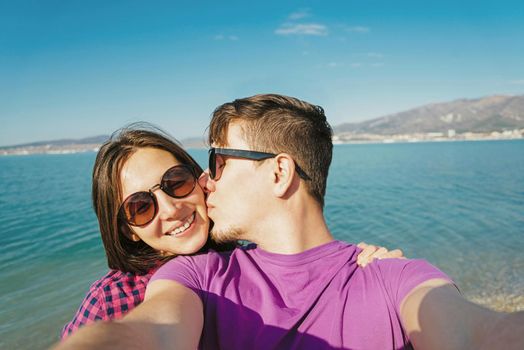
[(293, 230)]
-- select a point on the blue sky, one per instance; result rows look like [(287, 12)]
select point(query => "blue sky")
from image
[(83, 68)]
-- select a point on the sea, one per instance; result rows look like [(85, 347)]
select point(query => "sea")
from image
[(460, 205)]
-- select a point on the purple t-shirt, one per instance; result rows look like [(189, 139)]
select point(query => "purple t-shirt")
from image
[(316, 299)]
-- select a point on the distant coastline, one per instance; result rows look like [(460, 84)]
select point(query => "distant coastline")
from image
[(450, 135), (496, 117), (342, 138), (48, 149)]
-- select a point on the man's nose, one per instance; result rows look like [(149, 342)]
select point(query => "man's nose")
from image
[(205, 182)]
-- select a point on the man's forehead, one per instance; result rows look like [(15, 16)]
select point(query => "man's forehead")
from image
[(234, 137)]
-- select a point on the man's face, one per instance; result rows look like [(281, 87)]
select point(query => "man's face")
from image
[(236, 200)]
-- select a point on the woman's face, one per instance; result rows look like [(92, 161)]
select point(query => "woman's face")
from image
[(167, 232)]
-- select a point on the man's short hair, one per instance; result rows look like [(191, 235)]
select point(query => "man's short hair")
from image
[(281, 124)]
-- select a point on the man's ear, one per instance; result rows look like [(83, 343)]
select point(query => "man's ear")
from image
[(283, 174)]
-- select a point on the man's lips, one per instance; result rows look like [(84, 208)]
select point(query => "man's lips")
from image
[(210, 209)]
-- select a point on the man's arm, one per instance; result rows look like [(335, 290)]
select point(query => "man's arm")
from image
[(436, 316), (171, 316)]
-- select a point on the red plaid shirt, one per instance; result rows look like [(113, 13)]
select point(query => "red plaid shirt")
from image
[(110, 297)]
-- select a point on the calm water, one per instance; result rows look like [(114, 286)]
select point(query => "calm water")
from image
[(459, 205)]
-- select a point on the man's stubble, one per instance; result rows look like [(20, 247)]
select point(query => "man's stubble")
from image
[(227, 235)]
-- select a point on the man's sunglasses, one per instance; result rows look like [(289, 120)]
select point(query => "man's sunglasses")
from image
[(217, 162), (140, 208)]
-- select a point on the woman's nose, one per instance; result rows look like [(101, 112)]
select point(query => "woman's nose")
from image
[(167, 205), (205, 182)]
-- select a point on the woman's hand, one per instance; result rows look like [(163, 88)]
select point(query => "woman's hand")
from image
[(371, 252)]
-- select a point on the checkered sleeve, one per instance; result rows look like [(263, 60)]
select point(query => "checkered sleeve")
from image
[(109, 298), (91, 309)]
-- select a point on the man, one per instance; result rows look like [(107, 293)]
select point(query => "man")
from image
[(299, 288)]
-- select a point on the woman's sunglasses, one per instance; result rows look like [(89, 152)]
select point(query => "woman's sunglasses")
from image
[(217, 162), (140, 208)]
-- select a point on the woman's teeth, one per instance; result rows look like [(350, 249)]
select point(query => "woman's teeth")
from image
[(184, 226)]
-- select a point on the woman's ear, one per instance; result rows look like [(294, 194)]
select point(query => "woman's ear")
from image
[(128, 232)]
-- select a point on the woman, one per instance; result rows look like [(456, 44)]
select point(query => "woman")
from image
[(150, 209)]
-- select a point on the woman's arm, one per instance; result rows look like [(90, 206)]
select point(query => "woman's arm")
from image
[(90, 310), (109, 298), (171, 317)]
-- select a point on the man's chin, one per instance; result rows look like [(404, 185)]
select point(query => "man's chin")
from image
[(226, 235)]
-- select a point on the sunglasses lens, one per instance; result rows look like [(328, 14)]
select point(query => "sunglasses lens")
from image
[(179, 181), (219, 165), (212, 163), (216, 163), (139, 209)]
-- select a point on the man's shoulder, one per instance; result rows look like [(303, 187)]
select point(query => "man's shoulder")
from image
[(402, 265), (398, 268), (197, 264), (400, 276), (207, 257)]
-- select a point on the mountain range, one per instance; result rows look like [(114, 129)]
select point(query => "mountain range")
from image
[(93, 140), (192, 142), (487, 114), (483, 115)]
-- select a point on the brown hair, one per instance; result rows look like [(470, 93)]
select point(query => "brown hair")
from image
[(122, 252), (276, 124)]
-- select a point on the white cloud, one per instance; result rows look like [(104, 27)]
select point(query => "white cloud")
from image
[(517, 82), (334, 64), (302, 29), (304, 13), (233, 37), (356, 65)]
